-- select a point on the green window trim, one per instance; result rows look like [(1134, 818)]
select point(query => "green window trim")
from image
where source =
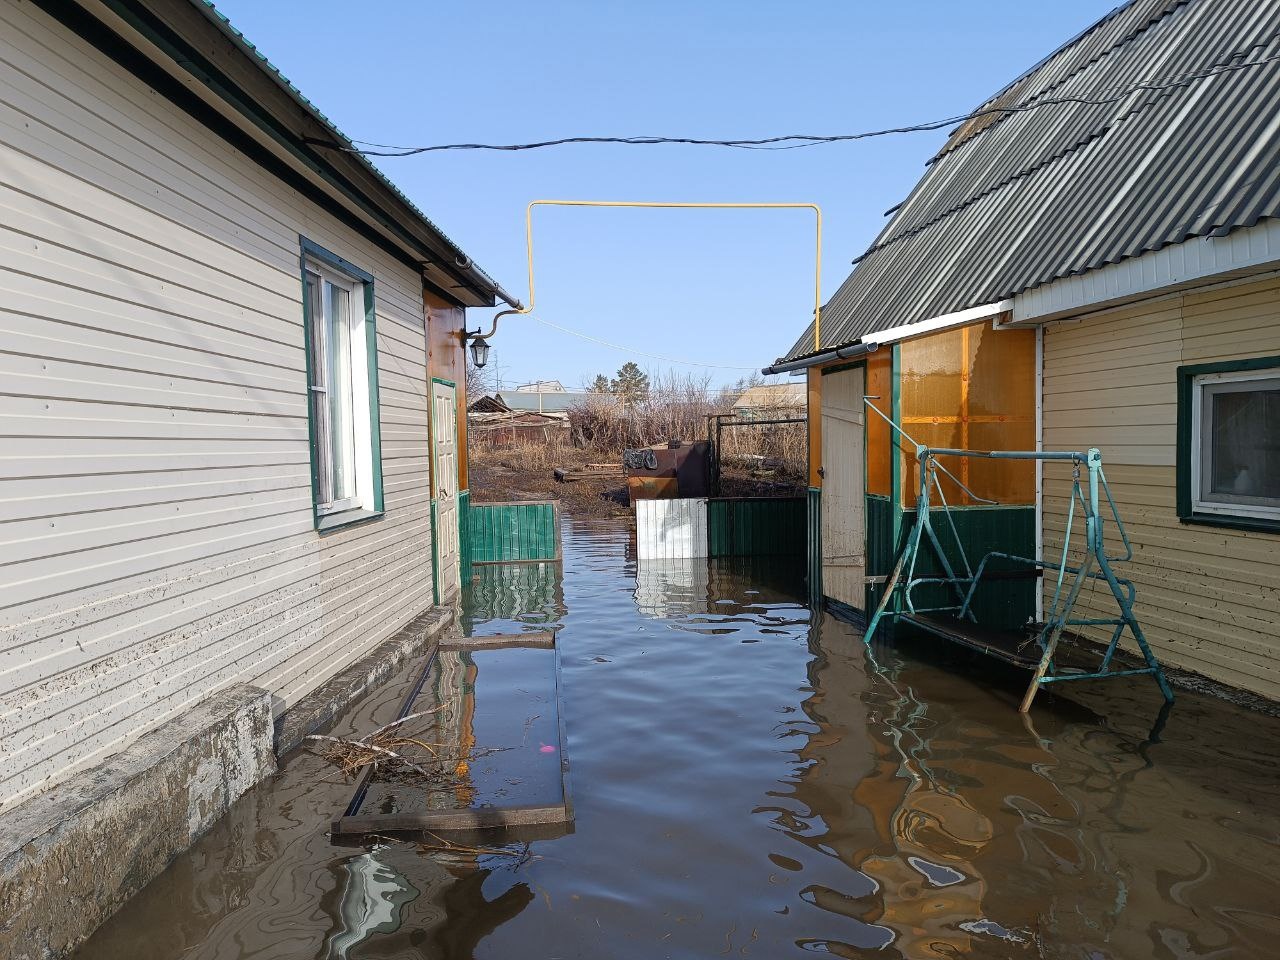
[(325, 522), (1186, 445)]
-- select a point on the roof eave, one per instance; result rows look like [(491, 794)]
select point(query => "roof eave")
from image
[(196, 45)]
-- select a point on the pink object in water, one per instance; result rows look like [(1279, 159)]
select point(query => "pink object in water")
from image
[(546, 749)]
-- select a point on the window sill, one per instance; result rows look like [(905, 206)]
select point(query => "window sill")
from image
[(326, 522), (1256, 524)]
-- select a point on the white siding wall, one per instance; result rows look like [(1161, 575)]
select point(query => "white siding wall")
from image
[(156, 537), (1208, 597)]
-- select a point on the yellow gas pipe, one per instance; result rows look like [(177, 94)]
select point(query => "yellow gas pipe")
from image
[(528, 235)]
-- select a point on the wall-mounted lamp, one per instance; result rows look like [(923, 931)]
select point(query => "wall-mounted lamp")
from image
[(479, 351)]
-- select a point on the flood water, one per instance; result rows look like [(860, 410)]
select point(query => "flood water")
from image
[(751, 784)]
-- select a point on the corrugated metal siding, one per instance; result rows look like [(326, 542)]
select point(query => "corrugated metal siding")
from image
[(464, 536), (505, 532), (671, 529), (813, 562), (1050, 192), (880, 552), (1001, 603), (155, 506), (756, 527), (1208, 597)]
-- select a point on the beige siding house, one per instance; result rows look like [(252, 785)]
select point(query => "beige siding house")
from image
[(1208, 593), (1134, 230), (215, 386)]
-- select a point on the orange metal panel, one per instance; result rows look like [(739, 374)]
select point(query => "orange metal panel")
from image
[(933, 369), (880, 444), (815, 426), (972, 388), (652, 488)]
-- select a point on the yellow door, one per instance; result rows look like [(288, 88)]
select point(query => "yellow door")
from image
[(444, 429), (843, 505)]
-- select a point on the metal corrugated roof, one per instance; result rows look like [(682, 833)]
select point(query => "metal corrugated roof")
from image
[(1019, 199)]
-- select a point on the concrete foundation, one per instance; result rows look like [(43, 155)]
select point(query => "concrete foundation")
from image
[(317, 710), (71, 857)]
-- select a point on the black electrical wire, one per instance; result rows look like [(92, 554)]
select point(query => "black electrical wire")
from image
[(796, 141)]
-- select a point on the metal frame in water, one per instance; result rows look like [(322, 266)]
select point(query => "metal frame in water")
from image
[(540, 821), (962, 626)]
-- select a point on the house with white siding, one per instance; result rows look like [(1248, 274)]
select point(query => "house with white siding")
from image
[(1092, 260), (231, 361)]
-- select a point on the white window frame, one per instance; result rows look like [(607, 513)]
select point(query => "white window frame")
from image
[(1200, 461), (362, 454)]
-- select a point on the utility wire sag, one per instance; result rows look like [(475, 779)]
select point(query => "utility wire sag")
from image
[(796, 141)]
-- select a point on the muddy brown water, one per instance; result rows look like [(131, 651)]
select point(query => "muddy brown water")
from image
[(751, 784)]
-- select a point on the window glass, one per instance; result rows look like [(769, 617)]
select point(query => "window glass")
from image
[(1240, 442), (340, 390), (337, 325)]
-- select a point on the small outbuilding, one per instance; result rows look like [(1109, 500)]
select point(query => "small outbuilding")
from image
[(1090, 262)]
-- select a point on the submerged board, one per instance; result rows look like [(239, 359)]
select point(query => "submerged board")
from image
[(486, 712)]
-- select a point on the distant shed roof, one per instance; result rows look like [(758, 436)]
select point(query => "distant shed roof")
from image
[(773, 395), (1101, 173), (557, 401)]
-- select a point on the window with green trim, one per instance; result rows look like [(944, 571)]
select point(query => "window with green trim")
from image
[(342, 385), (1229, 449)]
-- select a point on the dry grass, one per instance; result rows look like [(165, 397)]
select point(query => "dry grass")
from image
[(754, 460), (677, 408), (523, 472)]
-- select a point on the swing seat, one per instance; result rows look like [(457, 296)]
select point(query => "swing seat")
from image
[(1017, 647)]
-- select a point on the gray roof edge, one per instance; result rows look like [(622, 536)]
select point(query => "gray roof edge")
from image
[(802, 349)]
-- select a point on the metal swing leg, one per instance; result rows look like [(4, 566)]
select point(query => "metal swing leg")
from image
[(1126, 613), (1051, 646)]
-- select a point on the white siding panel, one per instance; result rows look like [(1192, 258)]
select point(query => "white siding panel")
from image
[(1208, 598), (156, 539), (671, 529)]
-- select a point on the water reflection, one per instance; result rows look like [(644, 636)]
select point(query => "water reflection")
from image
[(373, 895), (751, 784), (521, 593), (1090, 837)]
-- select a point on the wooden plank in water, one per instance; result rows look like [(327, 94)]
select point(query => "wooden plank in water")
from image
[(438, 821), (539, 640)]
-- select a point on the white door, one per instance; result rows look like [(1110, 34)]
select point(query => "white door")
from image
[(843, 505), (444, 430)]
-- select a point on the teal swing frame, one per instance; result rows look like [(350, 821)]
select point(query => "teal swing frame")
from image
[(897, 601)]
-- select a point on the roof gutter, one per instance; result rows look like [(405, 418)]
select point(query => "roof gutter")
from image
[(849, 352), (465, 263)]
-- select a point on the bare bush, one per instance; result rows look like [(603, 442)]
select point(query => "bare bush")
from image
[(677, 408)]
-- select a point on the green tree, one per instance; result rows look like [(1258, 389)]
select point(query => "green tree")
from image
[(631, 383), (600, 384)]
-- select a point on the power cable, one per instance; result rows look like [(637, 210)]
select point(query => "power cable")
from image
[(796, 141)]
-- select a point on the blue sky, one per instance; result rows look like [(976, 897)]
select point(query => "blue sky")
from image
[(733, 289)]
